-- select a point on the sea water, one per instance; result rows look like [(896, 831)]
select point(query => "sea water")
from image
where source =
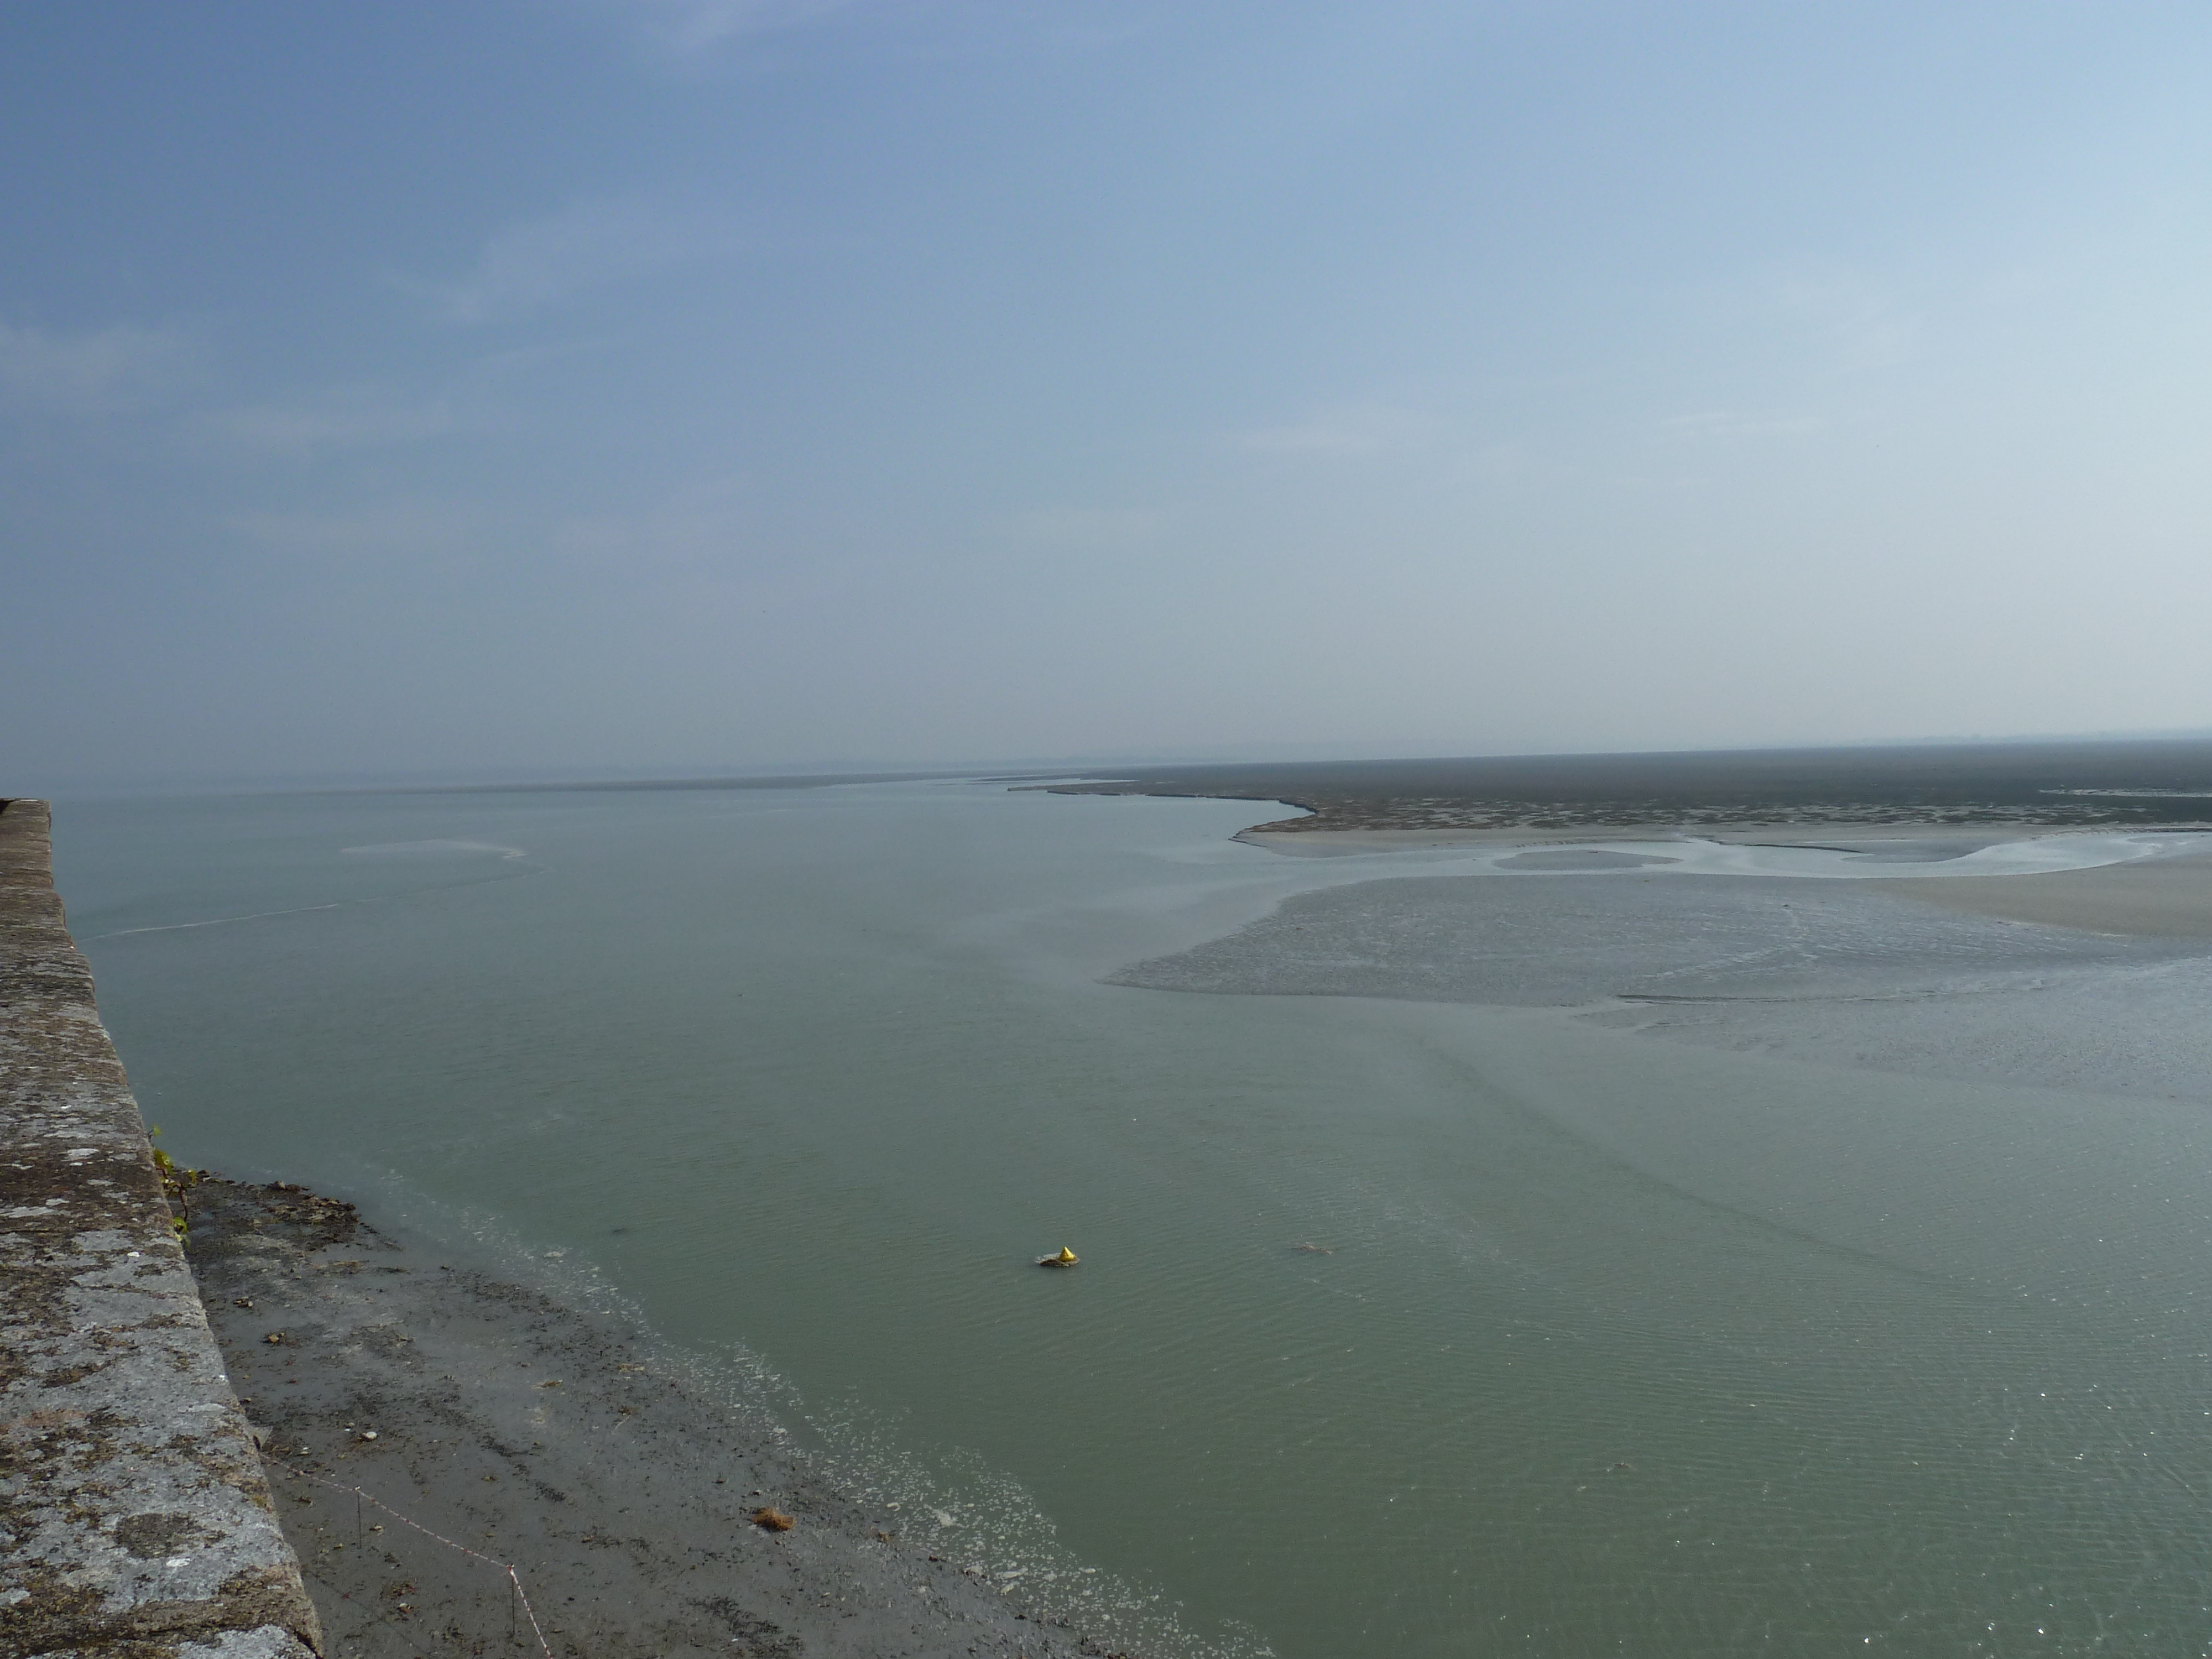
[(1401, 1327)]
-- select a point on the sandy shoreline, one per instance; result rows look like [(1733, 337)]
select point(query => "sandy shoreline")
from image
[(535, 1434)]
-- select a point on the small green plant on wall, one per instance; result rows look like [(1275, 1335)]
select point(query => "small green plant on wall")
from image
[(176, 1182)]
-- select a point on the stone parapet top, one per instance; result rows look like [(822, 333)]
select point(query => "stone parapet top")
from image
[(134, 1516)]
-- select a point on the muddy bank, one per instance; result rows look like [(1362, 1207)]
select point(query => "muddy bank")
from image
[(533, 1434)]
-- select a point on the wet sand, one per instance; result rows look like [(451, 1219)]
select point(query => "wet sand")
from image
[(620, 1486), (2156, 898)]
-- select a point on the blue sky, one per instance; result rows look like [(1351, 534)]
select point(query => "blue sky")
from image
[(674, 384)]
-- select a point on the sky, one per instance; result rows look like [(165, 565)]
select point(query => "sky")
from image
[(538, 387)]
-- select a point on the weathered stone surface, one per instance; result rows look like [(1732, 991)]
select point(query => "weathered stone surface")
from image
[(268, 1641), (134, 1518)]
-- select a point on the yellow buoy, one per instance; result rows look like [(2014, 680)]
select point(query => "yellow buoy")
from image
[(1067, 1258)]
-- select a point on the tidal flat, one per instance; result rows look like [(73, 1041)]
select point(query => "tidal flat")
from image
[(2084, 979)]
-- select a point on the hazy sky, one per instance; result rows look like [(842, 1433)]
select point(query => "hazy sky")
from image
[(681, 383)]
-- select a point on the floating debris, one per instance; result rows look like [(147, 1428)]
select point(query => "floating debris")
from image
[(773, 1520), (1067, 1258), (1316, 1249)]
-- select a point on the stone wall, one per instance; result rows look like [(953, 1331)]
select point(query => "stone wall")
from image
[(134, 1518)]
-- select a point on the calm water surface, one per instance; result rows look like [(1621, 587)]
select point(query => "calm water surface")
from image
[(1616, 1347)]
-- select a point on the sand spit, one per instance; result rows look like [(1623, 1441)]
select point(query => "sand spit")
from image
[(533, 1434)]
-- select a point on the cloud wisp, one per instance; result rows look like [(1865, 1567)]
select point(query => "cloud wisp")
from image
[(105, 371), (534, 265), (347, 419)]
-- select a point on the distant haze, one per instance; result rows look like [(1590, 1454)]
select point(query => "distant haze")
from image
[(530, 388)]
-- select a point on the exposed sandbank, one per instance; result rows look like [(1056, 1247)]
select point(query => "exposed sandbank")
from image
[(2154, 898), (2168, 896), (1910, 975), (1324, 843)]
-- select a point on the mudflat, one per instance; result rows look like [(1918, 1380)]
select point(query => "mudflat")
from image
[(509, 1429)]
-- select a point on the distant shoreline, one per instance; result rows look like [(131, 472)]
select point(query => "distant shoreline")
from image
[(2134, 785)]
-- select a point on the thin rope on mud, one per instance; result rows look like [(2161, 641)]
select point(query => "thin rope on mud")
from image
[(506, 1567)]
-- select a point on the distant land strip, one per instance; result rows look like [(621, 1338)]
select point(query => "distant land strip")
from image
[(2160, 783)]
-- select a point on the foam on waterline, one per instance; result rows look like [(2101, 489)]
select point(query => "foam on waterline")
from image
[(433, 849)]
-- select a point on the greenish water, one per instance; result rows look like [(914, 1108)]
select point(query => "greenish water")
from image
[(1617, 1347)]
